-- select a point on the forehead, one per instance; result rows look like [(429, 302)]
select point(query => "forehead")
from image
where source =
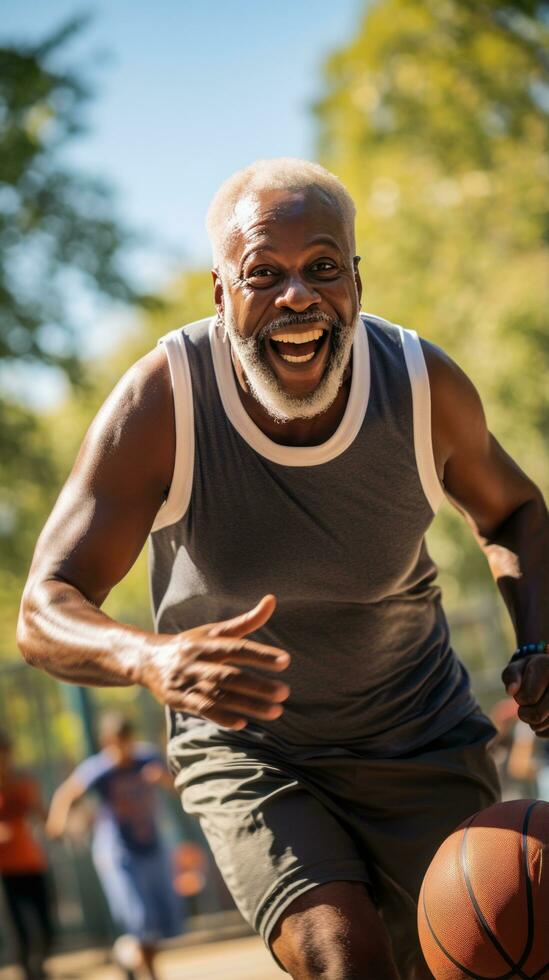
[(285, 221)]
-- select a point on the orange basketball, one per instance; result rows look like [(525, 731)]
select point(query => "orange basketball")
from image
[(483, 909)]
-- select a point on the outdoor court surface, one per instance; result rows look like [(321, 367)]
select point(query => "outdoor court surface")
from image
[(233, 959)]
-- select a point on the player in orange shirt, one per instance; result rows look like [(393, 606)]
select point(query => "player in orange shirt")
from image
[(23, 864)]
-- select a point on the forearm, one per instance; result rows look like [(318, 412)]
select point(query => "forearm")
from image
[(518, 555), (61, 803), (72, 639)]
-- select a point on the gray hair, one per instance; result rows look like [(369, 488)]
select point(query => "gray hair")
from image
[(281, 173)]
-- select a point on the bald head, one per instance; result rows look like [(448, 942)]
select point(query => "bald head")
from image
[(241, 197)]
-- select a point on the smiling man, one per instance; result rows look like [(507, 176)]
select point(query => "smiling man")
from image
[(291, 446)]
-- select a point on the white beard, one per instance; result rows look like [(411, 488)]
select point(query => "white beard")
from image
[(263, 382)]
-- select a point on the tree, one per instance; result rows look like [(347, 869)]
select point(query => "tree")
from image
[(57, 232), (436, 118), (58, 240)]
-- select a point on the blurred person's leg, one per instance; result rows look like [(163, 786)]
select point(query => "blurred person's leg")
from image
[(139, 891), (41, 896), (163, 910), (127, 913), (15, 892)]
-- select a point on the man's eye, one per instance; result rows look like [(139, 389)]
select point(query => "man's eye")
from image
[(261, 272), (324, 267)]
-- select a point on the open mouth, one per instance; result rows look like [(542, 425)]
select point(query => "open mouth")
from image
[(298, 347)]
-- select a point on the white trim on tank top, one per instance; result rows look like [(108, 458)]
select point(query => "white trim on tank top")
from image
[(177, 502), (179, 495), (421, 406), (338, 442)]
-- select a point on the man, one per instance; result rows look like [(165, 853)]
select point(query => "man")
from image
[(23, 864), (131, 859), (285, 447)]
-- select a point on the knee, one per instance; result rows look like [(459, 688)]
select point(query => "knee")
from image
[(328, 948)]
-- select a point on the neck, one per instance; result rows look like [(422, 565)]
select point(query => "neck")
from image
[(295, 432)]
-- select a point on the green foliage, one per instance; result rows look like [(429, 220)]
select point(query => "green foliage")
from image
[(27, 489), (58, 239), (57, 233), (436, 118)]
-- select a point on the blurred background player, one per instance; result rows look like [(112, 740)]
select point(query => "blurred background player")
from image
[(131, 858), (23, 864)]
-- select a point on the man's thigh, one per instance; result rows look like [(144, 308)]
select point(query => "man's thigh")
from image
[(272, 839)]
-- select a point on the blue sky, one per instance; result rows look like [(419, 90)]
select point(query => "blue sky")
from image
[(187, 91)]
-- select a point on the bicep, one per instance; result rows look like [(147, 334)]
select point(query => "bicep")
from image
[(480, 478), (107, 507)]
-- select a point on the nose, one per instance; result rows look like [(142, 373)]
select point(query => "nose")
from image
[(296, 294)]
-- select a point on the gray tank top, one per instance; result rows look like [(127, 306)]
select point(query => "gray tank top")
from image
[(335, 531)]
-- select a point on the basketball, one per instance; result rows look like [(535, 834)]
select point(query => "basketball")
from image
[(483, 909)]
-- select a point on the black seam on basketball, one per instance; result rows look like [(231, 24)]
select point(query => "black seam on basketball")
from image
[(528, 880), (460, 966), (486, 928), (544, 969)]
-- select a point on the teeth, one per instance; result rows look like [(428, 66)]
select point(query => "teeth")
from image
[(297, 338), (298, 360)]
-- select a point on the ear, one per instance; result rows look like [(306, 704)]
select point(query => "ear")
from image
[(218, 291), (358, 279)]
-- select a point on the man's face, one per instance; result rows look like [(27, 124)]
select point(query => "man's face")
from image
[(289, 295)]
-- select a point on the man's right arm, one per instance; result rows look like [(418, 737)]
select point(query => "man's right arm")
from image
[(95, 532), (93, 536)]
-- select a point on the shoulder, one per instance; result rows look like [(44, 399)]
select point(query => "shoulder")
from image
[(136, 422), (457, 413), (451, 388), (92, 769), (142, 392)]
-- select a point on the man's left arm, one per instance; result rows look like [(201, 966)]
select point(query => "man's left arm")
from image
[(508, 516)]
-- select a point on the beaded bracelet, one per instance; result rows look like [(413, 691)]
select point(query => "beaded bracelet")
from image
[(527, 649)]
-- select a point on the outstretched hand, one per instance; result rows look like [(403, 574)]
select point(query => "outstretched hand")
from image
[(527, 681), (203, 670)]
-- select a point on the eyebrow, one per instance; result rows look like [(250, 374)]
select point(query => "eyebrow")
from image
[(317, 240)]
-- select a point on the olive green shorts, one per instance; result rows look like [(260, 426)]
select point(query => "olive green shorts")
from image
[(278, 826)]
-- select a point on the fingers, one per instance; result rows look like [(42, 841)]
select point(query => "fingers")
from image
[(228, 695), (512, 677), (238, 651), (536, 714), (231, 679), (205, 702), (264, 689), (220, 716), (527, 681), (534, 681), (249, 621)]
